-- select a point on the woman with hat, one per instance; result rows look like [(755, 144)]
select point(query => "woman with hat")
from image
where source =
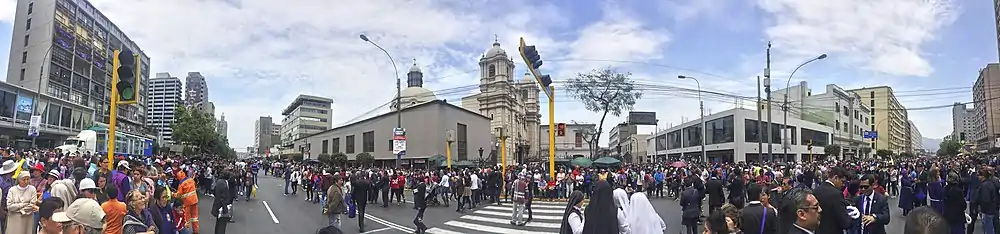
[(22, 203)]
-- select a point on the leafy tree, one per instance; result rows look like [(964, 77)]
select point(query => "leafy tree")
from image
[(338, 159), (194, 128), (604, 91), (884, 153), (365, 159), (832, 150), (949, 146), (325, 159), (906, 155)]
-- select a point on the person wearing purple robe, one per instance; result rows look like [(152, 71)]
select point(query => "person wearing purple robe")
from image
[(906, 194), (120, 178), (935, 191)]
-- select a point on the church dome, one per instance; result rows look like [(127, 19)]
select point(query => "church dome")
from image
[(528, 78), (495, 50), (414, 68), (413, 96)]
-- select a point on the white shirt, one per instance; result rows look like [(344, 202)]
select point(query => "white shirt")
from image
[(475, 181), (575, 221), (444, 180)]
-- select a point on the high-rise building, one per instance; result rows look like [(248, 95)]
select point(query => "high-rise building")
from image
[(65, 48), (888, 119), (263, 134), (196, 89), (916, 139), (305, 116), (165, 92), (962, 121), (986, 108), (222, 127)]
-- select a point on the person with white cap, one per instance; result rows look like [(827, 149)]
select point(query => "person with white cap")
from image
[(84, 216), (6, 182), (88, 189)]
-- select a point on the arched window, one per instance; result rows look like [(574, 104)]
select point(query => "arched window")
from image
[(492, 70)]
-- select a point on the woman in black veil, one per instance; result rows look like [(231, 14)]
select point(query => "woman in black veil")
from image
[(573, 219), (601, 214)]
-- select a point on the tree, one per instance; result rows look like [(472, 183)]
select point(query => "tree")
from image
[(325, 158), (338, 159), (884, 153), (865, 150), (949, 146), (831, 150), (604, 91), (906, 155), (194, 128), (365, 159)]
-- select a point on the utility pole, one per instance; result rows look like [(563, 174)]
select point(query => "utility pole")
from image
[(760, 136), (767, 91)]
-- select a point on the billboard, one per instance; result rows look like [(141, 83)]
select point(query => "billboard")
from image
[(642, 118)]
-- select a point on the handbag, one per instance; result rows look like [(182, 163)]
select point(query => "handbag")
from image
[(351, 208)]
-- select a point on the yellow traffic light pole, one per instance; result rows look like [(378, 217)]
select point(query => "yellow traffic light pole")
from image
[(550, 92), (113, 118)]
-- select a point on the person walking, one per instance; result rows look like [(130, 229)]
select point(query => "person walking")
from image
[(420, 202), (222, 205), (335, 204), (362, 188)]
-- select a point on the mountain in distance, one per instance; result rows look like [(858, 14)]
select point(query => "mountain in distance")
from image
[(931, 144)]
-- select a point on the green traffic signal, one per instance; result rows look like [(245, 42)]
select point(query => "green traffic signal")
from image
[(126, 76)]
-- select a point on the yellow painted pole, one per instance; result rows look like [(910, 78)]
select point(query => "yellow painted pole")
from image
[(552, 132), (447, 154), (503, 162), (20, 165), (113, 118)]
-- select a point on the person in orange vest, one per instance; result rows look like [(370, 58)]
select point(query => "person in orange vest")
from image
[(188, 194)]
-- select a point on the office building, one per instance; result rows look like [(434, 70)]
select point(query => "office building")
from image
[(962, 121), (305, 116), (571, 143), (222, 126), (620, 134), (426, 126), (888, 118), (165, 92), (916, 139), (265, 134), (845, 112), (65, 49), (986, 107), (196, 89), (732, 135)]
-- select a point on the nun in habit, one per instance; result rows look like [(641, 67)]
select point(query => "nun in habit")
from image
[(572, 219), (642, 218), (22, 203), (623, 204), (601, 214)]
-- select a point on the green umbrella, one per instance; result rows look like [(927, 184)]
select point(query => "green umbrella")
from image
[(437, 158), (607, 162), (582, 162), (464, 164)]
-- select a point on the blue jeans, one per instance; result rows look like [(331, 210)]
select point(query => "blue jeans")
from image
[(988, 223), (287, 183), (334, 220)]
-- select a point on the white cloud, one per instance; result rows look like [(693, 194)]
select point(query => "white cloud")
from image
[(879, 35)]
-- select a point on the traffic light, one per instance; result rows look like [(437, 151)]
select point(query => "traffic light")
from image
[(961, 136), (125, 78), (534, 61), (561, 129), (810, 147)]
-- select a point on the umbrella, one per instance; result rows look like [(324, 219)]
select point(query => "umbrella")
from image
[(582, 162), (678, 164), (607, 162), (437, 158)]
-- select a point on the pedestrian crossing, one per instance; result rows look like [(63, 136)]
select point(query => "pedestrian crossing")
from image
[(546, 218)]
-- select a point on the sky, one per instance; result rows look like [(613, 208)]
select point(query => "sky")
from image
[(258, 55)]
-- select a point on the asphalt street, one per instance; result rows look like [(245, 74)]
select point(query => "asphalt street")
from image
[(272, 212)]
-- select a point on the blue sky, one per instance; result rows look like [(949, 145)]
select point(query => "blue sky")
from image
[(259, 54)]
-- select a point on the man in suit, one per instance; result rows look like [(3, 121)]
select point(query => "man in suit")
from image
[(756, 218), (805, 216), (362, 188), (874, 208), (716, 194), (831, 198), (221, 205)]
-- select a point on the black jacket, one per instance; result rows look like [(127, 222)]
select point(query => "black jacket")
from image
[(834, 219), (222, 199), (753, 214), (360, 190)]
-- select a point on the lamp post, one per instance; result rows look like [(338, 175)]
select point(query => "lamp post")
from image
[(38, 92), (701, 104), (784, 107), (481, 155), (399, 104)]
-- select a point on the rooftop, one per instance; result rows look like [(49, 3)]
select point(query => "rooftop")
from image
[(301, 98), (408, 109)]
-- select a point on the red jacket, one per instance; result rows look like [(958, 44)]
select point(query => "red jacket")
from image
[(397, 182)]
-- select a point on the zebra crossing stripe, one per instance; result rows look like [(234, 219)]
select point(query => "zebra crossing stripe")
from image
[(507, 214), (509, 209), (489, 229)]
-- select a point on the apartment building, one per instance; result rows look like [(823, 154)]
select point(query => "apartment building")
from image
[(888, 117), (962, 121), (986, 107), (165, 92), (305, 116)]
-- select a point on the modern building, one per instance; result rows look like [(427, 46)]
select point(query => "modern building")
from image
[(986, 108), (305, 116), (60, 118), (724, 144), (64, 48), (620, 134), (571, 144), (265, 134), (916, 139), (426, 126), (634, 149), (845, 112), (222, 126), (888, 118), (962, 121), (512, 105), (196, 89), (165, 92)]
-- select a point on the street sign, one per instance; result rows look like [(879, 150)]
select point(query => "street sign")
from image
[(870, 134), (33, 124), (398, 141)]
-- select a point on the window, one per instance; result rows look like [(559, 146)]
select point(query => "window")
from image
[(752, 132), (462, 146), (836, 123), (674, 140), (873, 103), (578, 139), (349, 140), (24, 57), (22, 74), (326, 147), (26, 38), (836, 107), (847, 112), (720, 130), (368, 141), (847, 128), (31, 7), (692, 136), (492, 69), (661, 142), (336, 145), (818, 138), (872, 94), (27, 25)]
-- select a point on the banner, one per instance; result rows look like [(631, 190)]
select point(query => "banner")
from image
[(34, 124)]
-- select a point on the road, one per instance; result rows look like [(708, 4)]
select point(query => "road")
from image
[(272, 212)]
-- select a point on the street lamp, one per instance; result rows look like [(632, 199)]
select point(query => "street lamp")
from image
[(481, 155), (784, 107), (399, 104), (701, 104)]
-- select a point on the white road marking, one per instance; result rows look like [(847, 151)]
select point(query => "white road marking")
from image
[(274, 218), (489, 229), (389, 224), (500, 208), (377, 230), (507, 221), (502, 214)]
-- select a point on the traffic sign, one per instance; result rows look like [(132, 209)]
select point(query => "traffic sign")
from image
[(398, 141), (870, 134)]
